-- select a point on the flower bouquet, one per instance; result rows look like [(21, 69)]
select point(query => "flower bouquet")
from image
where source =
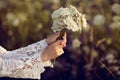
[(68, 18)]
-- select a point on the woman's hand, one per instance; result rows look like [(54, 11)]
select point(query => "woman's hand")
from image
[(54, 50), (52, 38)]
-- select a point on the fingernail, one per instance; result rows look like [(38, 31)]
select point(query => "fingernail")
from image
[(64, 45)]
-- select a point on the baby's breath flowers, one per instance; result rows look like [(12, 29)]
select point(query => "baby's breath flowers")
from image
[(68, 18)]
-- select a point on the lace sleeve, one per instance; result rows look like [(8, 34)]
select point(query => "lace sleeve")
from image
[(28, 51), (24, 62)]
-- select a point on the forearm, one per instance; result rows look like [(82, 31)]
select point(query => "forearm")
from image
[(29, 50), (24, 62), (44, 56)]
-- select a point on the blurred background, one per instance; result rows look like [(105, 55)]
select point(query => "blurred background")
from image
[(91, 55)]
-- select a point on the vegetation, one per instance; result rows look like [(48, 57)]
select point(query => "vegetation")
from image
[(91, 55)]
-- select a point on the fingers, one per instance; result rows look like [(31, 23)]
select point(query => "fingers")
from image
[(60, 51), (57, 35), (52, 38), (64, 35), (64, 41), (60, 43)]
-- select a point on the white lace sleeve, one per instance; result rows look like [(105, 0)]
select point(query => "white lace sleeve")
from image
[(24, 62)]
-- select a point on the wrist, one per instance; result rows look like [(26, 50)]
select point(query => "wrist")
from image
[(44, 56), (46, 40)]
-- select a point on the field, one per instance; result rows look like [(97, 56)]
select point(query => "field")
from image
[(90, 55)]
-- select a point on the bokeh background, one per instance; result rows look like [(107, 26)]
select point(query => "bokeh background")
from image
[(90, 55)]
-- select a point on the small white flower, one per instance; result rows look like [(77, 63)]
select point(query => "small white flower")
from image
[(68, 18), (16, 22), (10, 17), (52, 1), (116, 8), (114, 25), (116, 18), (55, 1), (86, 49), (61, 12), (22, 17), (99, 20), (110, 56), (76, 43), (39, 26)]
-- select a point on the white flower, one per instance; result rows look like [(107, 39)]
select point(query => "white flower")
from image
[(16, 19), (116, 8), (85, 25), (52, 1), (110, 56), (10, 17), (76, 43), (22, 17), (68, 18), (86, 49), (116, 18), (55, 1), (16, 22), (99, 20), (114, 25), (39, 26), (61, 12)]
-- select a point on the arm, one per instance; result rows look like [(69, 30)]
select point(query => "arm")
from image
[(28, 62), (28, 51), (18, 63)]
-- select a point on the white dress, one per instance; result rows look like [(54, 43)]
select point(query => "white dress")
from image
[(12, 63)]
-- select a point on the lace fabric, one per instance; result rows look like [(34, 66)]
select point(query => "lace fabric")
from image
[(24, 62)]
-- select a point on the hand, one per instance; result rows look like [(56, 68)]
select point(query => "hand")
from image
[(54, 50), (52, 38)]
